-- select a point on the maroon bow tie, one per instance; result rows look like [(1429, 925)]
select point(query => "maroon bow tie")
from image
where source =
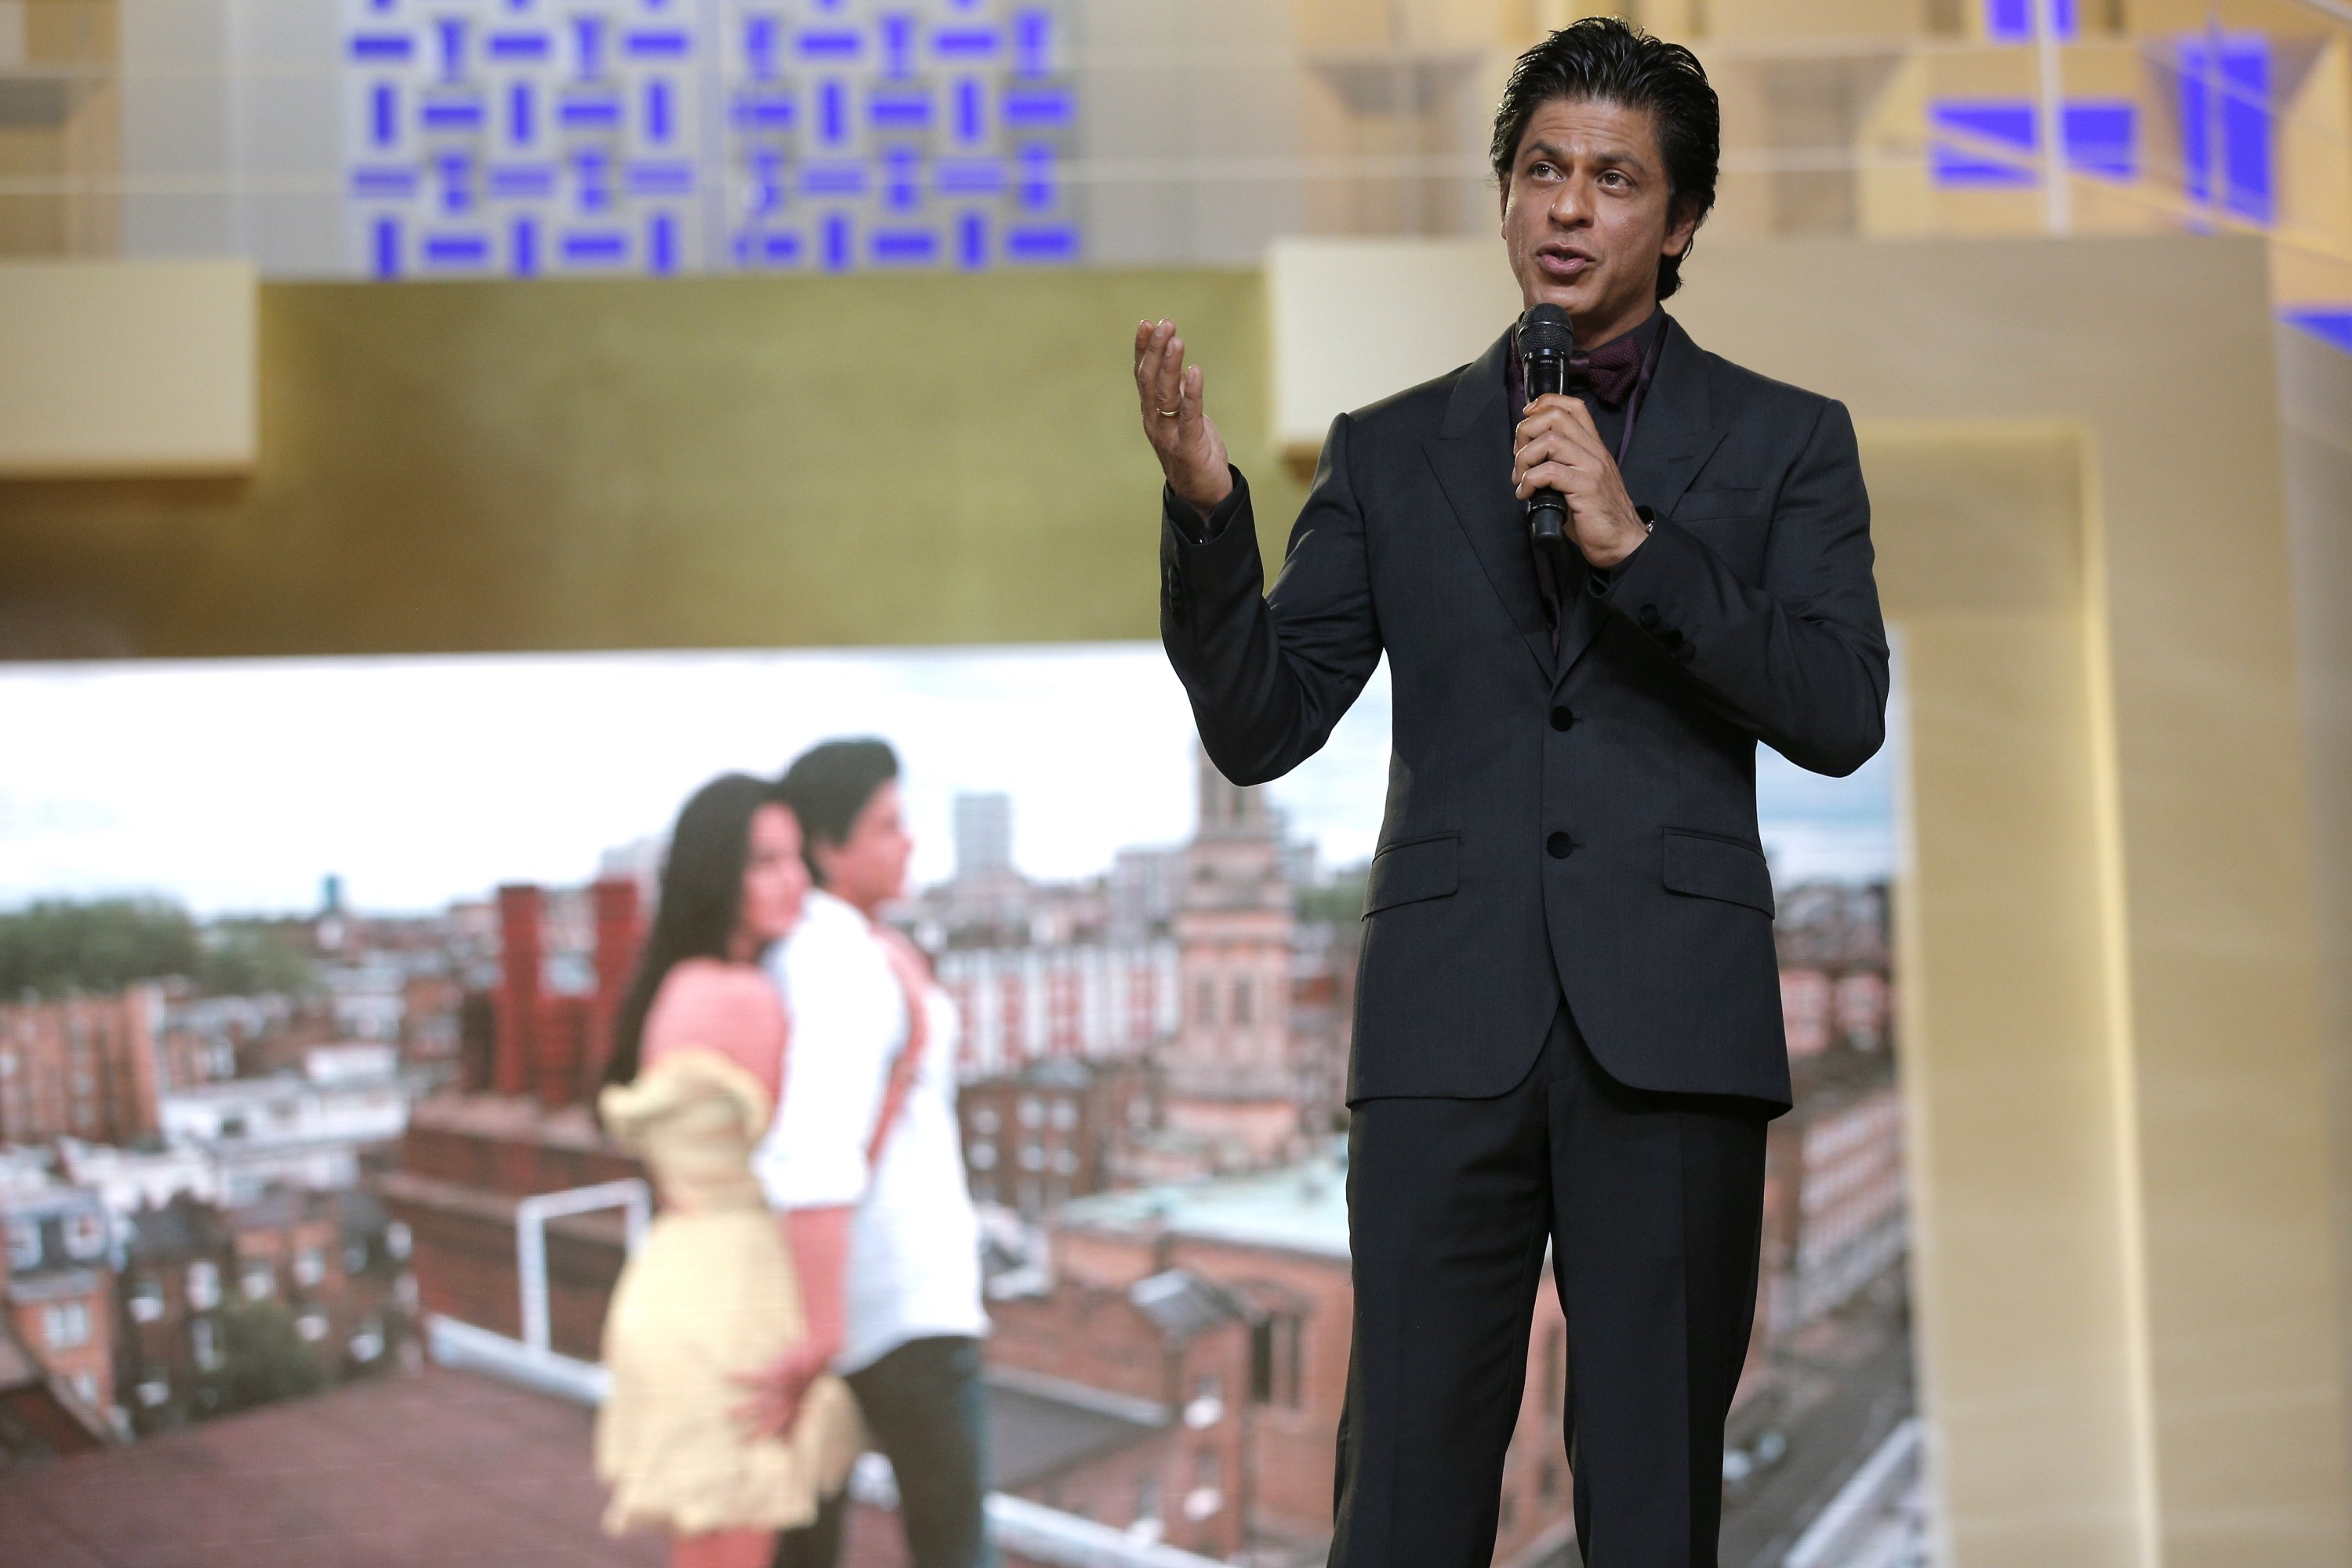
[(1609, 372)]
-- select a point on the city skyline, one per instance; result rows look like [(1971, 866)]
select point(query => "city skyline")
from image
[(238, 786)]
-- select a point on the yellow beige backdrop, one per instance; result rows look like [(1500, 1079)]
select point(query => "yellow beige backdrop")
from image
[(2111, 958)]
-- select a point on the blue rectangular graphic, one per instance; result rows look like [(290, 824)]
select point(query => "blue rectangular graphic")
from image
[(531, 137)]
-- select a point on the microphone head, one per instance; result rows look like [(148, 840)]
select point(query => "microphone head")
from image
[(1545, 330)]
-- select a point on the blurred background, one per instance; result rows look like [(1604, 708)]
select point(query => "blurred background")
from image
[(435, 435), (376, 139)]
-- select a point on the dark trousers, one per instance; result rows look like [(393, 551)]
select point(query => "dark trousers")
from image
[(1653, 1205), (927, 1410)]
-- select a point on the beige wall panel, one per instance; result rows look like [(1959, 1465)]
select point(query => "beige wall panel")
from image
[(2317, 384), (2315, 154), (2023, 1280), (1339, 346), (1777, 19), (1893, 193), (126, 368), (2194, 686), (2144, 18), (2009, 1063), (658, 463)]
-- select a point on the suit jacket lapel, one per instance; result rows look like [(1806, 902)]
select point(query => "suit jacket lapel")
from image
[(1673, 439), (1471, 456), (1674, 434)]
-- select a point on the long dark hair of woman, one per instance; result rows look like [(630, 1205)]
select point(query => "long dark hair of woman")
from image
[(700, 904)]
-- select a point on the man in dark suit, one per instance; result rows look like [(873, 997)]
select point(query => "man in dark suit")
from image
[(1568, 1029)]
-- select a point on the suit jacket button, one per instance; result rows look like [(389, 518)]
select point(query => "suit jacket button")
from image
[(1648, 616), (1562, 719), (1684, 652), (1559, 845), (1672, 636)]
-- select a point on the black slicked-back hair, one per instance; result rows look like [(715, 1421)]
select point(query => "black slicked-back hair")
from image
[(829, 784), (1602, 58)]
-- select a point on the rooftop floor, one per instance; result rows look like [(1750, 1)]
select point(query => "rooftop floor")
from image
[(401, 1472)]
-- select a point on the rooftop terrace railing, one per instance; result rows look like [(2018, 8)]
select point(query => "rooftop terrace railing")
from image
[(1027, 1532)]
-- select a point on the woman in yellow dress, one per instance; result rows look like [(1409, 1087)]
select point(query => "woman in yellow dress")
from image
[(722, 1426)]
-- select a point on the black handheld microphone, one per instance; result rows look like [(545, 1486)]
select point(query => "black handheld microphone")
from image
[(1546, 337)]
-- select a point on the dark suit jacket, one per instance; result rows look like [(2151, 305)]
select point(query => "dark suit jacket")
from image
[(1578, 822)]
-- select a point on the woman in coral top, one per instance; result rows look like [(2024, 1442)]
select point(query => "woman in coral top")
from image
[(690, 1440)]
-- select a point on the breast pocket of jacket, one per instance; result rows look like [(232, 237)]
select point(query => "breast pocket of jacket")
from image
[(1414, 870), (1731, 523), (1710, 868)]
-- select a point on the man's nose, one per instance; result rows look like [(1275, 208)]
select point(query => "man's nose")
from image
[(1572, 205)]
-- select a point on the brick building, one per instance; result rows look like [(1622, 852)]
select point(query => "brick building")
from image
[(1835, 1207), (334, 1263), (1229, 1073), (83, 1067), (565, 967), (431, 1038), (41, 1416), (1322, 1020), (1822, 1008), (1835, 988), (56, 1286), (210, 1040), (1162, 1366), (533, 1053), (1090, 1000), (1276, 1244), (316, 1128), (1194, 960), (1836, 1216), (205, 1039), (127, 1180), (179, 1267), (1058, 1129), (311, 1253), (464, 1164)]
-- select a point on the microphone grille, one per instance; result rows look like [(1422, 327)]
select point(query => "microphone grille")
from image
[(1546, 330)]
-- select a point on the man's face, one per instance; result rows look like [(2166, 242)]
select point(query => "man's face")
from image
[(869, 868), (1588, 214)]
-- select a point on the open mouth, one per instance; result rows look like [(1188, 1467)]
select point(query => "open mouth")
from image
[(1564, 262)]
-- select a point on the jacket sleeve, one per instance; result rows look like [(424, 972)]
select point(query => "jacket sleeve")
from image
[(1800, 662), (1269, 675)]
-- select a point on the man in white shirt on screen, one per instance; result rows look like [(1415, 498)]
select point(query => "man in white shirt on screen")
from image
[(909, 1318)]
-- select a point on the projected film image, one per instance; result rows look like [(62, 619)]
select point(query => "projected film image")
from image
[(311, 967)]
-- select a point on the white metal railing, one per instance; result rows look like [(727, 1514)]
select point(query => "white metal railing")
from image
[(1041, 1534), (533, 1359), (1866, 1525), (1062, 1540), (532, 1214)]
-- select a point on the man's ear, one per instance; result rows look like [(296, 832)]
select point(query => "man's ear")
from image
[(1682, 225)]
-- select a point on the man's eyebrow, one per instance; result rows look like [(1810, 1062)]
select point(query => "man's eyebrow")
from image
[(1624, 155)]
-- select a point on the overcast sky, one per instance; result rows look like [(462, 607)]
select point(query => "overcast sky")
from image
[(237, 785)]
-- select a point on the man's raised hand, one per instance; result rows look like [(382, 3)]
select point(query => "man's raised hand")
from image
[(1182, 435)]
